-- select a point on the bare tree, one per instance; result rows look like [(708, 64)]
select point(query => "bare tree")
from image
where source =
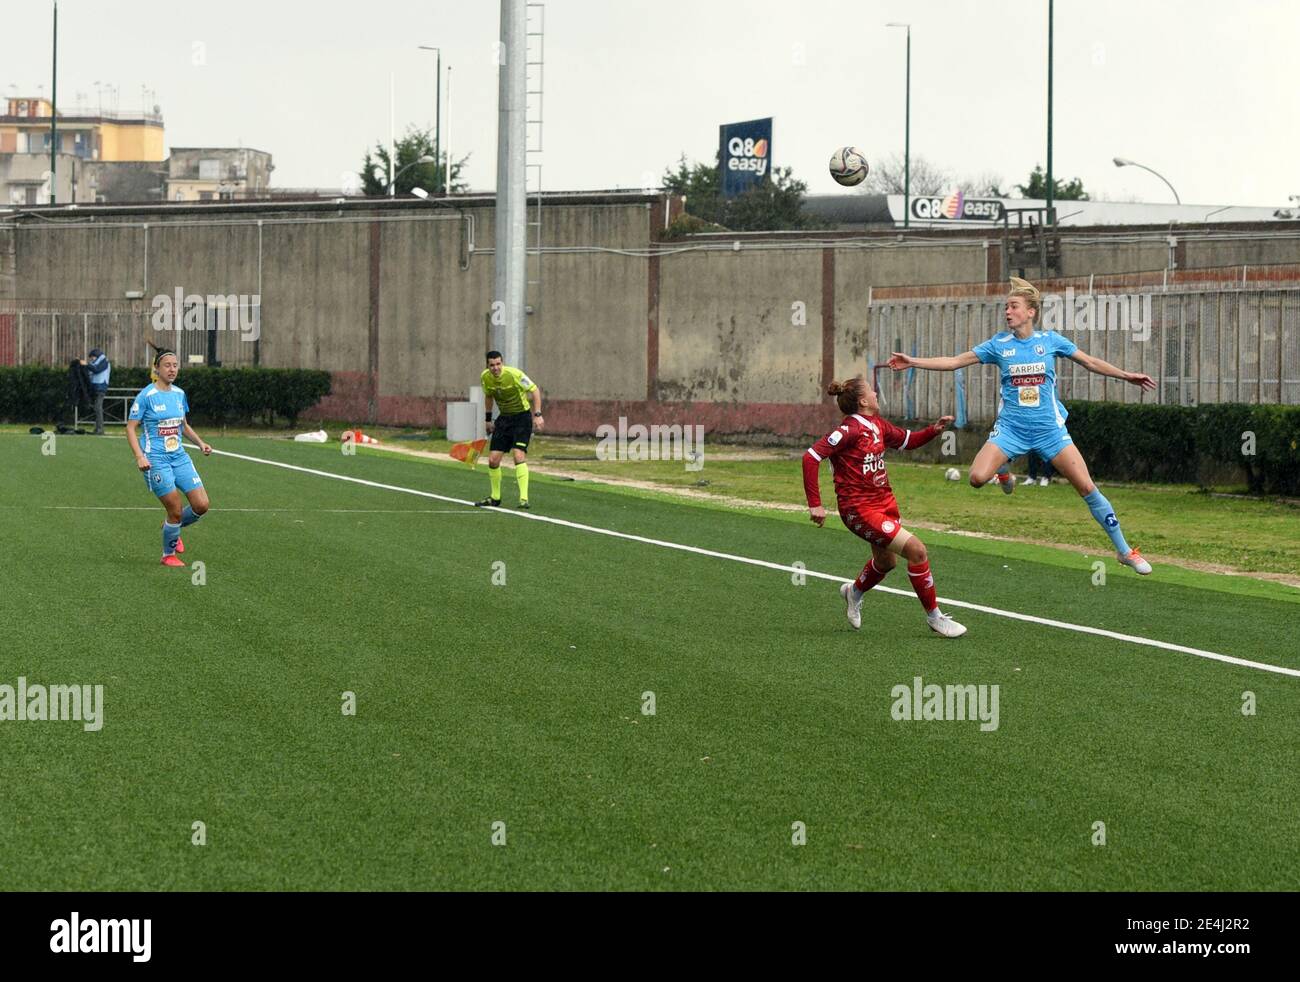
[(985, 184), (886, 177)]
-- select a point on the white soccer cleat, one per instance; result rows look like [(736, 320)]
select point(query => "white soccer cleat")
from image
[(1043, 482), (852, 608), (1134, 559), (943, 625)]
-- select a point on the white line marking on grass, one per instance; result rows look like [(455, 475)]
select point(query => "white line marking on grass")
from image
[(995, 611), (296, 511)]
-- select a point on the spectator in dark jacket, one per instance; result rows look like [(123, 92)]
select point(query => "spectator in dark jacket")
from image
[(99, 369)]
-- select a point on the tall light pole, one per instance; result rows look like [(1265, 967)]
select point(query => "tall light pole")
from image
[(392, 131), (1121, 162), (1051, 181), (510, 281), (54, 111), (907, 131), (437, 113), (448, 188)]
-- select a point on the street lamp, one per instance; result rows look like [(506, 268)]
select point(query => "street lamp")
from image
[(907, 131), (426, 159), (437, 110), (1121, 162)]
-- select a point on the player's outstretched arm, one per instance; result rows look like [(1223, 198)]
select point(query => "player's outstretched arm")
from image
[(1099, 367), (901, 439), (900, 362)]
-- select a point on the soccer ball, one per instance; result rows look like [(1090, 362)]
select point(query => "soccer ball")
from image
[(952, 474), (849, 166)]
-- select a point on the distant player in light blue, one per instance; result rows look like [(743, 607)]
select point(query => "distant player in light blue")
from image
[(1030, 415), (161, 409)]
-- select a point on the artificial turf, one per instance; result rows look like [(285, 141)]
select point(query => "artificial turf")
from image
[(522, 703)]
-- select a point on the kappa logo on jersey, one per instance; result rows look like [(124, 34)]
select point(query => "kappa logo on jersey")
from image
[(1008, 352), (160, 407)]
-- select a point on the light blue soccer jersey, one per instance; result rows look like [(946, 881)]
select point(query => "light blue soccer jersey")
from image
[(162, 418), (1028, 377)]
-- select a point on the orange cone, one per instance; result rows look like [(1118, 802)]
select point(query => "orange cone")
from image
[(356, 436)]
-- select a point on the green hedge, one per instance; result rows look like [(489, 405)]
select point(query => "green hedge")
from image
[(1189, 444), (37, 394)]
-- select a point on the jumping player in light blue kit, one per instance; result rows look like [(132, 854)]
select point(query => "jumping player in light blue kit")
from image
[(1030, 415), (161, 409)]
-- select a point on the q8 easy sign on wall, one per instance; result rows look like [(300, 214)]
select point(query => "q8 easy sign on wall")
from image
[(745, 153)]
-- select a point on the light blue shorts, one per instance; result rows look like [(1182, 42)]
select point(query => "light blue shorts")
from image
[(1015, 441), (167, 472)]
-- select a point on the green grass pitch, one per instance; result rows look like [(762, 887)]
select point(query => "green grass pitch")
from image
[(521, 703)]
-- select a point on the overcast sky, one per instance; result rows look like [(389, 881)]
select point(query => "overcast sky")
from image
[(1203, 91)]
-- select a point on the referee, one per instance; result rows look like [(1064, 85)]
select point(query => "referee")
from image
[(512, 391)]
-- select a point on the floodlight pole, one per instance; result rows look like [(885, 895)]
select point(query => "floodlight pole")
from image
[(437, 115), (54, 111), (392, 132), (510, 280), (907, 137), (907, 131), (447, 188), (1051, 184)]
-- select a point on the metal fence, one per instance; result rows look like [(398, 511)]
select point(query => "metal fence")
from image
[(1201, 346), (57, 332)]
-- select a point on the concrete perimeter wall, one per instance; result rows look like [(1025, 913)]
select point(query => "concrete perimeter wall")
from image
[(740, 334)]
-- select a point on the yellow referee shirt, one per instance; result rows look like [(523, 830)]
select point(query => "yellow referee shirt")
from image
[(510, 391)]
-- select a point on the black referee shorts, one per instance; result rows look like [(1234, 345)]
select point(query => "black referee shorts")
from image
[(512, 432)]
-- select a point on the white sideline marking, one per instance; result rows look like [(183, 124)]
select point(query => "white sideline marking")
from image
[(304, 511), (997, 612)]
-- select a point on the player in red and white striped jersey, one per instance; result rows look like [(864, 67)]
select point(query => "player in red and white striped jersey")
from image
[(856, 450)]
